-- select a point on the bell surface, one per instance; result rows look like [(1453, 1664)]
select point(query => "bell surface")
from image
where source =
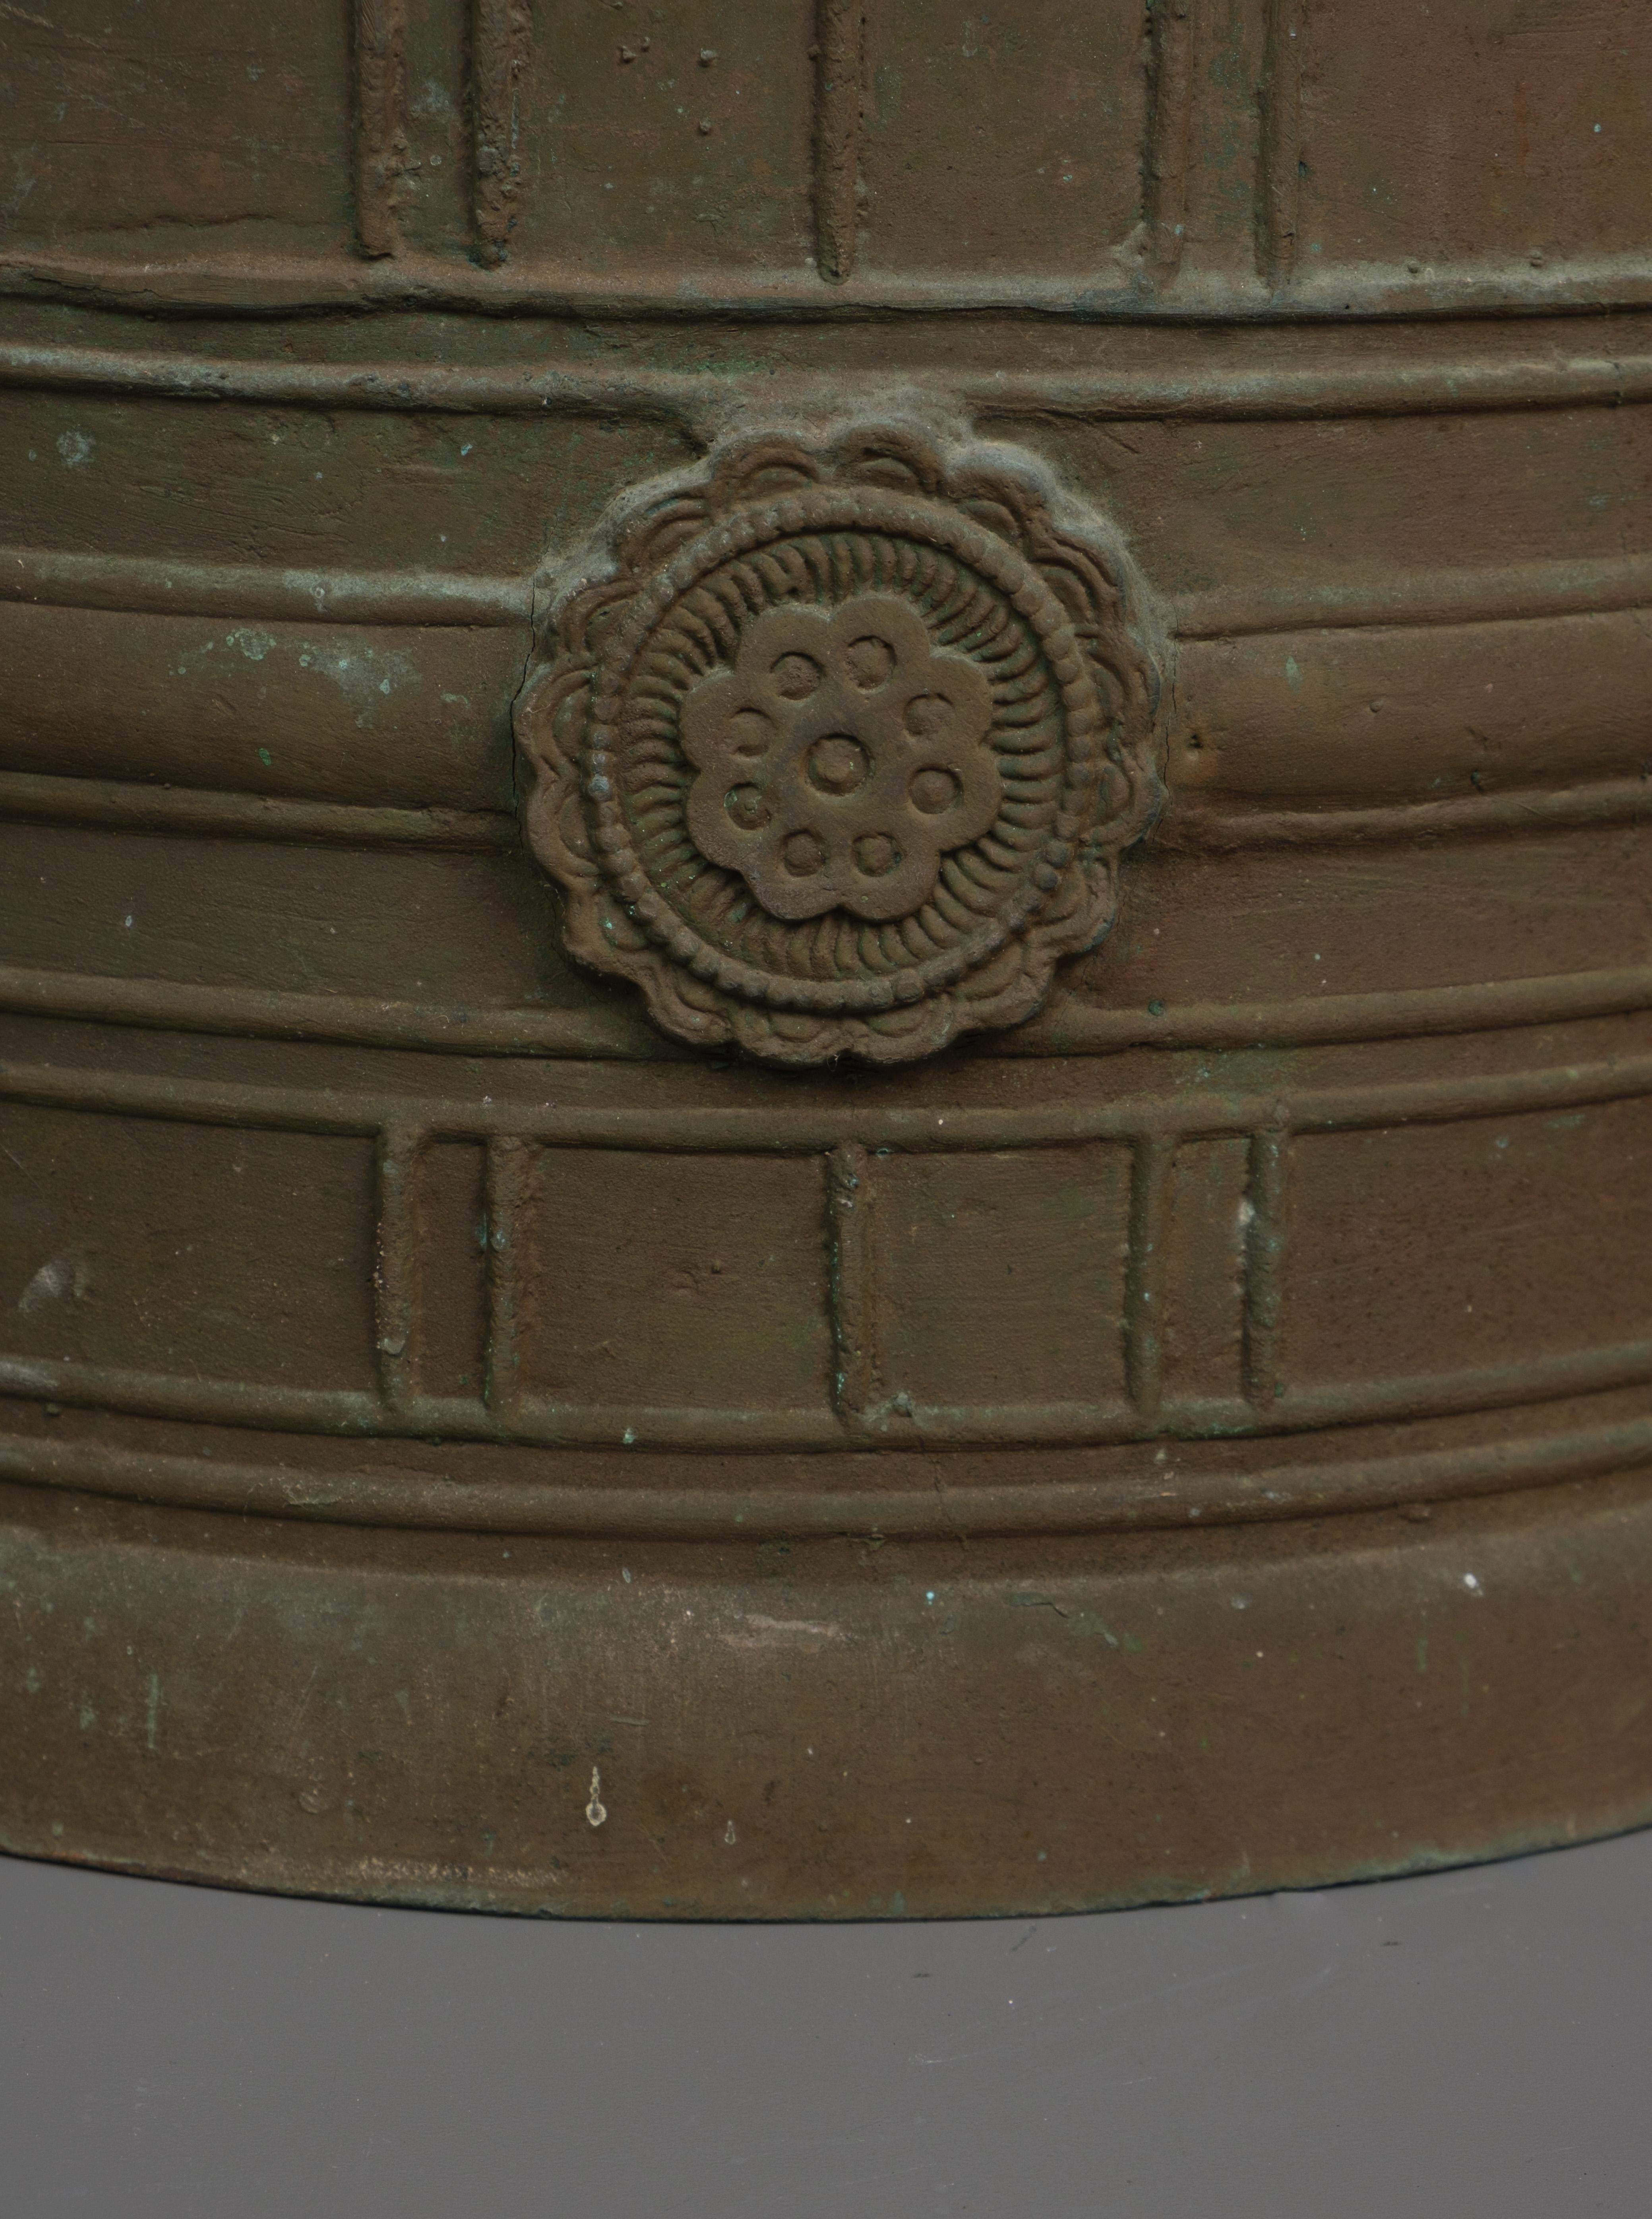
[(825, 965)]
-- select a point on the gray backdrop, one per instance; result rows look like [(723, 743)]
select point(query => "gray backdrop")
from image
[(1470, 2043)]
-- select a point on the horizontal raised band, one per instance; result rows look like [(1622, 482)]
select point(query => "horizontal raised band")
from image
[(401, 1498), (1504, 595), (812, 1127), (1553, 377), (1113, 287), (143, 585), (1070, 1026), (1216, 830), (539, 1422), (129, 806), (126, 805)]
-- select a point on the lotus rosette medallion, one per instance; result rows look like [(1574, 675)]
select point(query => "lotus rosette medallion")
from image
[(834, 746)]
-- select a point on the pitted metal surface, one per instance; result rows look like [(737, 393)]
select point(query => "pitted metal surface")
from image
[(825, 994)]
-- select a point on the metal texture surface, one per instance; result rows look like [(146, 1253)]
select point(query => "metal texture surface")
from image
[(825, 980)]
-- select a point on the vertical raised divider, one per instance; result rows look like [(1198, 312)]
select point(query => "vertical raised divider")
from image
[(396, 1166), (854, 1298), (1169, 122), (379, 92), (840, 44), (500, 34)]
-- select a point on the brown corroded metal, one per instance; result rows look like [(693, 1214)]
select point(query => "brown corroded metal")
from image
[(825, 990), (838, 750)]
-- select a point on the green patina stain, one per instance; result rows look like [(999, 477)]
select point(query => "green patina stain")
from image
[(1422, 1652)]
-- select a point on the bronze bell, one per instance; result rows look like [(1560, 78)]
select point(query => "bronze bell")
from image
[(825, 1085)]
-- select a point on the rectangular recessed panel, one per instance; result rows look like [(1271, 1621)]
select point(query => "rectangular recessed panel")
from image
[(246, 485), (1311, 923), (1437, 1248), (1346, 508), (666, 1281), (639, 158), (433, 197), (173, 122), (1437, 134), (196, 1251), (409, 924), (406, 716), (1001, 1277), (449, 1269), (1224, 56), (1002, 139), (1203, 1238)]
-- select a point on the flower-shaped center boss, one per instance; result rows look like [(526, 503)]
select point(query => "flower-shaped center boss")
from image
[(840, 759)]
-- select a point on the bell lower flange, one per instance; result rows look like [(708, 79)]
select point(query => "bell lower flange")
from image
[(832, 1728)]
